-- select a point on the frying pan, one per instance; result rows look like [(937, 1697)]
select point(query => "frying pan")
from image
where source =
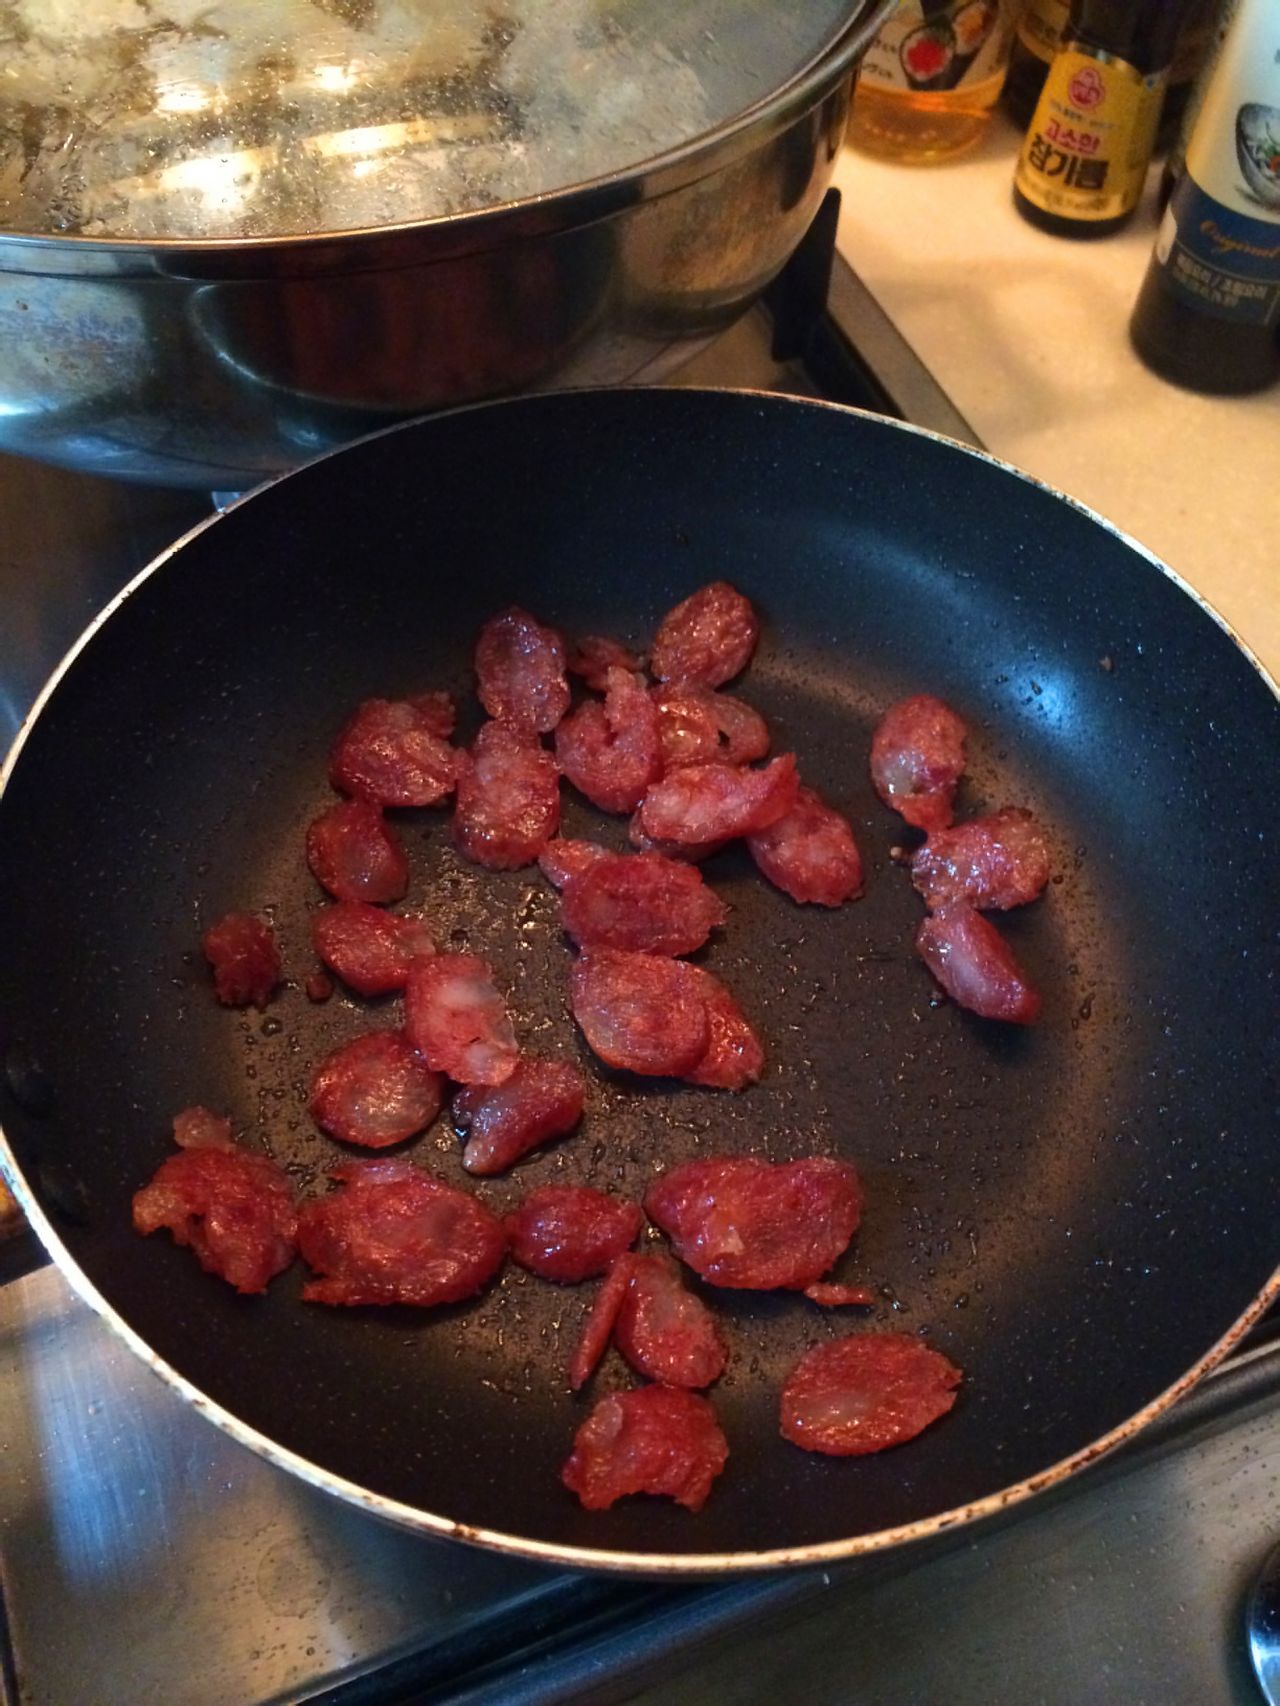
[(1081, 1215)]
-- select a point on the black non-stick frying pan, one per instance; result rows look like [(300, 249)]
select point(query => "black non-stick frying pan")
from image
[(1082, 1215)]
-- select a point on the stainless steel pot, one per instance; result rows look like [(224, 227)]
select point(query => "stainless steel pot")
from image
[(218, 363)]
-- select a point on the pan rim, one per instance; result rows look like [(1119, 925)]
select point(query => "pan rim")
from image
[(654, 1564), (552, 398)]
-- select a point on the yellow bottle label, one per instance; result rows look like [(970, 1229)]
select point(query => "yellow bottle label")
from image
[(1040, 27), (1086, 152)]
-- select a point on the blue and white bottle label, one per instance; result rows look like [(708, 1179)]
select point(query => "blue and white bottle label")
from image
[(1224, 263), (1219, 245)]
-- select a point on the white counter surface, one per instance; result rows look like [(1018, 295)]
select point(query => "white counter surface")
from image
[(1027, 333)]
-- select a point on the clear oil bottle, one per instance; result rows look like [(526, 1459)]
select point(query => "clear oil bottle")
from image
[(930, 80)]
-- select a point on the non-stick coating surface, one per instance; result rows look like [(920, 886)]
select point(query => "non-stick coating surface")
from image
[(1074, 1214)]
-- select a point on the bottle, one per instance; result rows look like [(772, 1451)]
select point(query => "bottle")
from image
[(1035, 41), (929, 81), (1209, 309), (1177, 154), (1189, 55), (1084, 159)]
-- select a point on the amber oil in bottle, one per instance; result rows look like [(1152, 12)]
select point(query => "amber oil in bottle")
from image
[(930, 80)]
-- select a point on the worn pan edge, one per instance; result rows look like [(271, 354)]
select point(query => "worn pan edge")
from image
[(770, 398), (656, 1564), (568, 1556)]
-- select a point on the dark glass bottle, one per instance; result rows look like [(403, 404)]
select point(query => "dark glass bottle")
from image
[(1035, 42), (1084, 159), (1208, 313), (1189, 55), (1223, 12)]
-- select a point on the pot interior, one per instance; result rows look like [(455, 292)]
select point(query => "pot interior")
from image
[(173, 122)]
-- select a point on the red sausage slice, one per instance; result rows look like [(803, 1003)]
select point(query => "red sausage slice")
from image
[(702, 803), (393, 1234), (742, 729), (699, 727), (371, 950), (520, 672), (437, 711), (612, 752), (655, 1439), (354, 855), (640, 901), (595, 655), (375, 1090), (975, 965), (810, 854), (457, 1021), (735, 1054), (597, 1329), (688, 731), (569, 1233), (561, 860), (541, 1099), (664, 1331), (245, 959), (744, 1222), (508, 799), (867, 1392), (917, 759), (692, 854), (997, 861), (390, 753), (707, 639), (235, 1209), (640, 1012)]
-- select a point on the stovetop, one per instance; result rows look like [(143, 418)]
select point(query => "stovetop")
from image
[(146, 1557)]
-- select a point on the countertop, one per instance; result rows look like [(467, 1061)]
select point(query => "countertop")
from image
[(1028, 334)]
